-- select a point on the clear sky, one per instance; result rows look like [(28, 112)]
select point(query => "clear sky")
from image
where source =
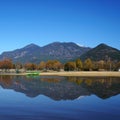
[(86, 22)]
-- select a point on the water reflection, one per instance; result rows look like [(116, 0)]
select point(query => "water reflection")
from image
[(62, 88)]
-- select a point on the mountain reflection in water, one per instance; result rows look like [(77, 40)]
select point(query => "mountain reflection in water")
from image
[(62, 88)]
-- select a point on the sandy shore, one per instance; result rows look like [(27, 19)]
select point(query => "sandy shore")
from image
[(84, 74), (81, 73)]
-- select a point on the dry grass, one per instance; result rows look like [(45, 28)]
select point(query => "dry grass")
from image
[(85, 74), (81, 73)]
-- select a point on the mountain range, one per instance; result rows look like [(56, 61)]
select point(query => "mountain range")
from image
[(62, 52), (102, 52)]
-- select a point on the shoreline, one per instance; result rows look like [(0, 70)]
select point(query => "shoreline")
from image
[(73, 73), (83, 74)]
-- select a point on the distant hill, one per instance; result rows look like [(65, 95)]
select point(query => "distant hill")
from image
[(57, 50), (25, 54), (62, 52), (102, 52)]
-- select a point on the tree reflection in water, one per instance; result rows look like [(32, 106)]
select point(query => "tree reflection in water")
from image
[(62, 88)]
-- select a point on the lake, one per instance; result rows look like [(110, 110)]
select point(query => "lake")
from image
[(59, 98)]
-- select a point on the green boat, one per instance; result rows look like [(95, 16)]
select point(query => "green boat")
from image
[(32, 73)]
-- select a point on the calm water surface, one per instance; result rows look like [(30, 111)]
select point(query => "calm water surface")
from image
[(59, 98)]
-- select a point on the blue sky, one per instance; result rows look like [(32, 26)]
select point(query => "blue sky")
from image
[(86, 22)]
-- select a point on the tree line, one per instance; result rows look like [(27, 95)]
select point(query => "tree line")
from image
[(77, 65)]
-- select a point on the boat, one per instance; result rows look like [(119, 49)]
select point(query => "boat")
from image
[(32, 73)]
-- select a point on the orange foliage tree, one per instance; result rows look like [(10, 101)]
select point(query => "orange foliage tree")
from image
[(70, 66), (30, 66), (53, 65), (42, 65), (6, 64)]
